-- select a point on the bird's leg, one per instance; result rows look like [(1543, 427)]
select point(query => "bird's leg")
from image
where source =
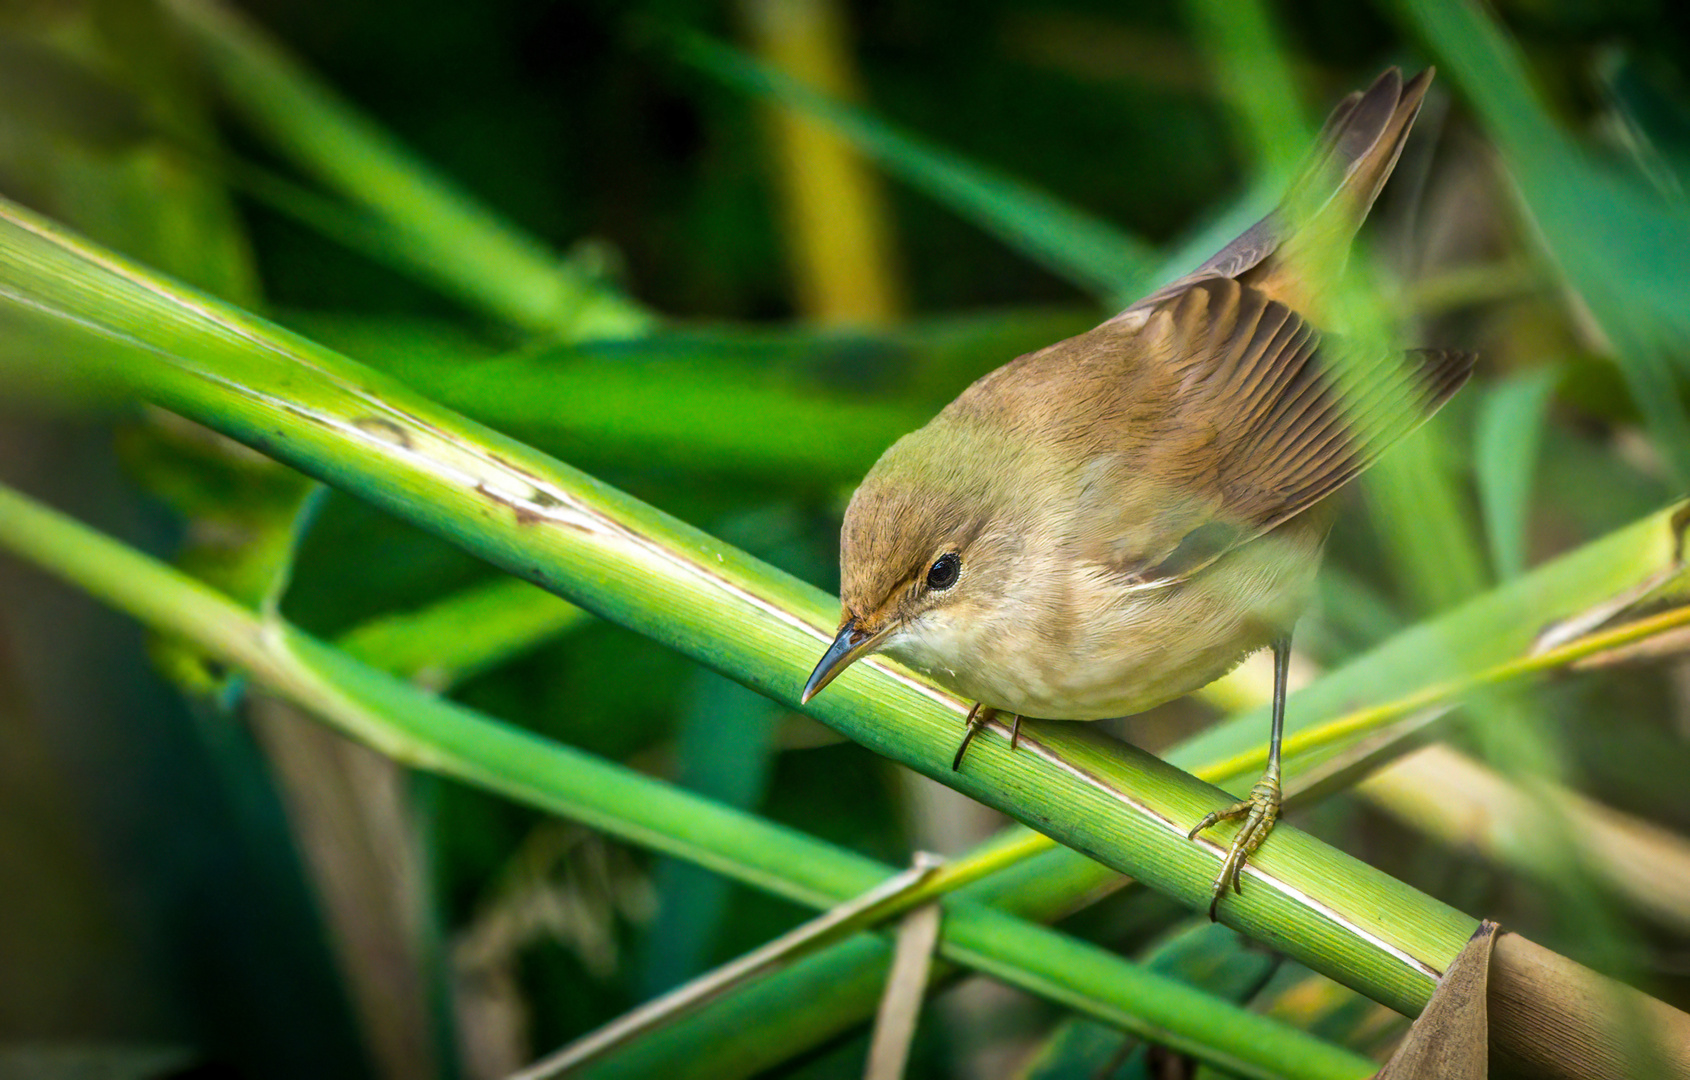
[(1015, 732), (1261, 809)]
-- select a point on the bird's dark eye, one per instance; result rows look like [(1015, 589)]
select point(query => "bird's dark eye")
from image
[(943, 573)]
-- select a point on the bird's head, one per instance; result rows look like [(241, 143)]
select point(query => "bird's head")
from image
[(926, 552)]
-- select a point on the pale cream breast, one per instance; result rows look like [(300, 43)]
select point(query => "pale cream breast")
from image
[(1136, 648)]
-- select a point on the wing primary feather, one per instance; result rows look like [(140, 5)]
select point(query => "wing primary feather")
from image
[(1294, 430)]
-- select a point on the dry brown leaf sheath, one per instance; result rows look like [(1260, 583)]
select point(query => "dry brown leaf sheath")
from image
[(1451, 1039)]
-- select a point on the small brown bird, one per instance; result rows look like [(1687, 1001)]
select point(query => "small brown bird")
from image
[(1119, 519)]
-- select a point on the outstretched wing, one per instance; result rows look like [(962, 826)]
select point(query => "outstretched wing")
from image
[(1267, 420)]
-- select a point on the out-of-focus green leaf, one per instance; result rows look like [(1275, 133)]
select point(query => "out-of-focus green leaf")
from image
[(1420, 515), (700, 400), (1094, 255), (96, 113), (1512, 417), (692, 415), (1656, 123), (1317, 1004), (1080, 1048), (464, 634), (1206, 955), (1352, 609), (1254, 72), (1623, 248), (443, 232), (247, 514), (723, 749), (48, 92), (928, 360)]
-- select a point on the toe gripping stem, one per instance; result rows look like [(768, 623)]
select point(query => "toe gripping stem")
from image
[(1259, 812), (979, 717), (1261, 809)]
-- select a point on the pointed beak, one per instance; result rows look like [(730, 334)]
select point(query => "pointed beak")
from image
[(852, 644)]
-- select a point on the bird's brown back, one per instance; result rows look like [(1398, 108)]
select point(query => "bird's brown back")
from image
[(1209, 423)]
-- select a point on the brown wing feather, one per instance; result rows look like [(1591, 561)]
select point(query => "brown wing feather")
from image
[(1290, 421), (1240, 410)]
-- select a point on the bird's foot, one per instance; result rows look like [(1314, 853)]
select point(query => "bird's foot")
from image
[(979, 717), (1259, 812)]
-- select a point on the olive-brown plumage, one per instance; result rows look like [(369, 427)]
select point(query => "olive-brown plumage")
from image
[(1118, 519)]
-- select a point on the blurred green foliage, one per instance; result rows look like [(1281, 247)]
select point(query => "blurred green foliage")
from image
[(1051, 156)]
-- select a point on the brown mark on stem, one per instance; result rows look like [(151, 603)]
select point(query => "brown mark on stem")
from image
[(384, 429), (528, 511), (439, 453)]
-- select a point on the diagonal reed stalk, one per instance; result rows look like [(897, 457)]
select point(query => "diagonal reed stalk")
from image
[(302, 121), (510, 614), (429, 733), (109, 320)]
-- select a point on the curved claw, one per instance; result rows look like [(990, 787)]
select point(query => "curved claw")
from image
[(1259, 812), (979, 717), (1213, 817)]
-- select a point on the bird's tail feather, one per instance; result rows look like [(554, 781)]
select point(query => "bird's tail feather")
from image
[(1310, 232), (1354, 156)]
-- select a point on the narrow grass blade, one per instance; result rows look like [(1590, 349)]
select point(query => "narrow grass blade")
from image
[(1510, 431), (1096, 256), (447, 233)]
